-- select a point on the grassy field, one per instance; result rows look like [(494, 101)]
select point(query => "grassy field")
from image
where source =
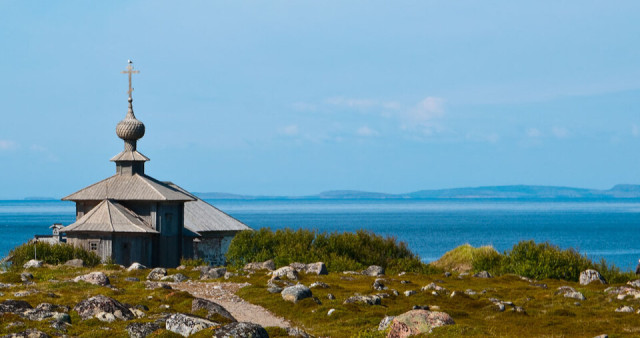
[(547, 314)]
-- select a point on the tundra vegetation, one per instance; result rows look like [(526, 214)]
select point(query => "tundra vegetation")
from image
[(526, 280)]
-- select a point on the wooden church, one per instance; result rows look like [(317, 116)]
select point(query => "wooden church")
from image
[(132, 217)]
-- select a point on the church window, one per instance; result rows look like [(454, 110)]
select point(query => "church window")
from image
[(93, 246)]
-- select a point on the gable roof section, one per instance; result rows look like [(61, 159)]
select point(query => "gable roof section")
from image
[(128, 155), (109, 216), (130, 188), (200, 216)]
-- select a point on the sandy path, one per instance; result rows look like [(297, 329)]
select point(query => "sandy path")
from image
[(224, 294)]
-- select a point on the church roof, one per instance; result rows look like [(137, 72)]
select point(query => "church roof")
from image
[(128, 155), (110, 216), (135, 187), (200, 216)]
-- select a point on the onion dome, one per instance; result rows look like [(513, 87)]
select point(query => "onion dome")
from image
[(130, 129)]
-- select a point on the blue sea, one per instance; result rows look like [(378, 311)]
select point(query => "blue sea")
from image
[(599, 229)]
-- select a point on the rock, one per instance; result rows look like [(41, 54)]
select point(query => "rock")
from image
[(634, 283), (434, 287), (142, 330), (330, 312), (6, 285), (539, 285), (285, 271), (385, 322), (469, 292), (409, 293), (29, 333), (137, 313), (272, 288), (417, 322), (296, 293), (396, 293), (420, 307), (447, 274), (156, 285), (14, 306), (378, 284), (186, 325), (132, 279), (321, 285), (500, 306), (624, 309), (297, 332), (575, 295), (483, 274), (157, 274), (177, 278), (564, 289), (46, 311), (212, 273), (519, 309), (374, 270), (96, 278), (89, 308), (76, 263), (60, 326), (602, 336), (32, 264), (26, 277), (369, 300), (331, 296), (105, 317), (211, 307), (317, 268), (137, 266), (241, 329), (589, 276), (266, 265), (25, 293), (228, 275)]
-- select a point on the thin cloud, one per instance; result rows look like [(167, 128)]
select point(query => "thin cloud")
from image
[(423, 116), (533, 133), (367, 132), (635, 130), (560, 132), (290, 130), (7, 145)]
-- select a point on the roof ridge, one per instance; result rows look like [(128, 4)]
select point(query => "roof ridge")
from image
[(122, 209), (142, 176), (109, 213), (89, 186)]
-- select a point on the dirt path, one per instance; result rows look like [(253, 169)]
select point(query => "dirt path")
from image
[(224, 294)]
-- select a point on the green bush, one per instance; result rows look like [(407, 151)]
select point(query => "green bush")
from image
[(51, 254), (544, 260), (192, 262), (339, 251)]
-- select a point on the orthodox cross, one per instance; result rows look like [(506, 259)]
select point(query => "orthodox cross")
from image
[(130, 71)]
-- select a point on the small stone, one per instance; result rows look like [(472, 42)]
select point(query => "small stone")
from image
[(368, 300), (447, 274), (374, 271), (385, 322), (331, 296), (378, 284), (26, 277), (330, 312), (321, 285), (142, 330), (76, 263), (266, 265), (296, 293), (469, 292), (132, 279), (187, 325), (501, 307), (32, 264), (409, 293), (624, 308), (285, 271), (157, 274), (575, 295), (395, 292), (95, 278), (137, 266), (483, 274), (417, 322), (250, 330)]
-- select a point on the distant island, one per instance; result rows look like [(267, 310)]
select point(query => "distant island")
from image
[(507, 192)]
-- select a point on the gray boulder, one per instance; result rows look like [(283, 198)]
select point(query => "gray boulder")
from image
[(212, 273), (483, 274), (624, 309), (14, 306), (634, 283), (157, 274), (360, 299), (186, 325), (321, 285), (378, 284), (266, 265), (211, 307), (76, 263), (317, 268), (177, 278), (141, 330), (29, 333), (132, 279), (149, 285), (417, 322), (589, 276), (32, 264), (136, 266), (95, 305), (374, 270), (296, 293), (575, 295), (96, 278), (285, 271), (241, 329)]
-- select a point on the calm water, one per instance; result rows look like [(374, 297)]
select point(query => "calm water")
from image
[(599, 229)]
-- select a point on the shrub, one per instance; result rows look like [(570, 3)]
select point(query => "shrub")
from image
[(192, 262), (339, 251), (545, 260), (464, 257), (51, 254)]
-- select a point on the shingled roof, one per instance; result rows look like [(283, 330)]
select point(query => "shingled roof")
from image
[(135, 187), (109, 216), (200, 216)]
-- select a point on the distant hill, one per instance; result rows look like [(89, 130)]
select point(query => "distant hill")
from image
[(621, 191)]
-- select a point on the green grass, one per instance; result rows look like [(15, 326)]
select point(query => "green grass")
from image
[(339, 251), (462, 258), (51, 254)]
